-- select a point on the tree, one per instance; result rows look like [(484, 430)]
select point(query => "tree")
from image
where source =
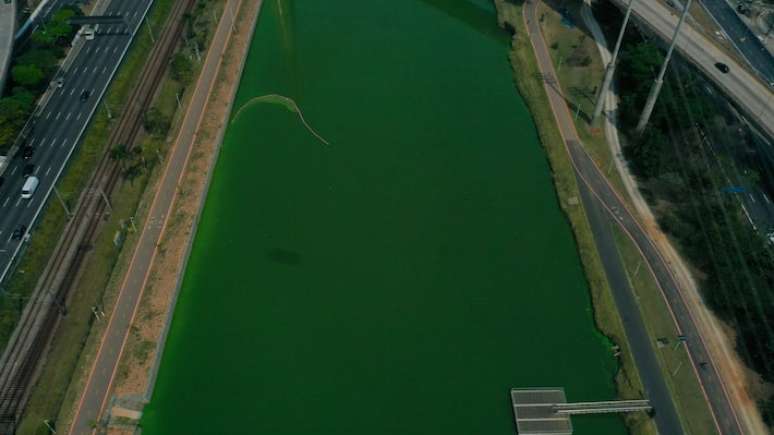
[(13, 115), (182, 69), (120, 153), (29, 76), (45, 59), (156, 122)]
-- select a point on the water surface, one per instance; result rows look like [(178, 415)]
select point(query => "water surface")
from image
[(399, 280)]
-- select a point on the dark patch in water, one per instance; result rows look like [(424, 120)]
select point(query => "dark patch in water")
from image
[(284, 256)]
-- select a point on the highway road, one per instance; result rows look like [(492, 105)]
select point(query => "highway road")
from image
[(742, 37), (589, 175), (753, 96), (59, 126)]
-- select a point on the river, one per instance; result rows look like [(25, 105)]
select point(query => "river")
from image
[(381, 250)]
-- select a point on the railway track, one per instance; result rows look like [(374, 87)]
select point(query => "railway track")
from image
[(36, 328)]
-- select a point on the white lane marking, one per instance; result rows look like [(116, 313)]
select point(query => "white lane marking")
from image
[(32, 141), (766, 197), (29, 203), (115, 50), (47, 171), (58, 114), (13, 171), (104, 69), (752, 197), (35, 172), (96, 50), (72, 91), (88, 50), (94, 71), (18, 200), (52, 141), (6, 202), (48, 114), (64, 142), (69, 114), (78, 117)]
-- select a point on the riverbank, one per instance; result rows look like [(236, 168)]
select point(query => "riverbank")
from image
[(135, 376), (530, 85), (393, 260)]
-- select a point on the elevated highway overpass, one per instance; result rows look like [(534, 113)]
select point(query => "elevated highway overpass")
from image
[(754, 97), (7, 30)]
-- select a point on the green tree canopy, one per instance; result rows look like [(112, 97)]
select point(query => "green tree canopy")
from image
[(182, 69), (45, 59), (29, 76)]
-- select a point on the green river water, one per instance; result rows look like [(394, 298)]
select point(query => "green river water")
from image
[(402, 278)]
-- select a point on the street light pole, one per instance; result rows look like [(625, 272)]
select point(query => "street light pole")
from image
[(656, 89), (610, 69)]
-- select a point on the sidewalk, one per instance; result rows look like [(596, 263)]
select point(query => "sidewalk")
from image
[(727, 402), (103, 370)]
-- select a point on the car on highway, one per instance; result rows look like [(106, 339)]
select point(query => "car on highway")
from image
[(85, 95), (27, 152), (30, 186), (18, 233), (59, 82), (722, 67), (29, 168)]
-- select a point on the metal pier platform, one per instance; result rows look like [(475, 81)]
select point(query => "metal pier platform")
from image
[(545, 411)]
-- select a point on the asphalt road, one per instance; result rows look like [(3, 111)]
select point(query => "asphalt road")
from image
[(742, 37), (754, 97), (59, 126), (594, 181)]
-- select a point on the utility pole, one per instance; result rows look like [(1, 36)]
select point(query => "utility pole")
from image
[(150, 31), (105, 198), (610, 69), (48, 426), (64, 204), (656, 89)]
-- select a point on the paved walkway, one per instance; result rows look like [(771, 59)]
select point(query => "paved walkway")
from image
[(102, 373), (7, 31), (591, 180)]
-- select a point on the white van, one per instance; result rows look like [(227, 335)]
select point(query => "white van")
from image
[(29, 187), (90, 32)]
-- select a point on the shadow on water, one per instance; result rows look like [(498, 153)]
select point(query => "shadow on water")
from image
[(284, 256), (286, 18), (478, 19)]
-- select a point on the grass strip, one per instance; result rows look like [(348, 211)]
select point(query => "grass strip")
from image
[(672, 356)]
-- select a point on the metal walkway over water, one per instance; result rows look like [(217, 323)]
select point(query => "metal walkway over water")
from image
[(545, 411), (602, 407)]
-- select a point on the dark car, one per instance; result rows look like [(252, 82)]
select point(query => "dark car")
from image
[(722, 67), (18, 233), (27, 152), (85, 95), (29, 168)]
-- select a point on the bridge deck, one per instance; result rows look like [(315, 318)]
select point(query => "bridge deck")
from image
[(533, 409), (545, 411)]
